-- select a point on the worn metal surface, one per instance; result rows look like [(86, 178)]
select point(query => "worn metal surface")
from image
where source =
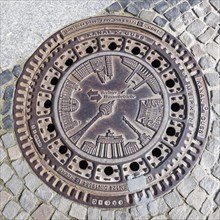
[(107, 103)]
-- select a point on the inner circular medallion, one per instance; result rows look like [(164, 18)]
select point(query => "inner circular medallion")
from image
[(109, 105)]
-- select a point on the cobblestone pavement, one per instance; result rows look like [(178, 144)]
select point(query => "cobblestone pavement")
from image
[(24, 196)]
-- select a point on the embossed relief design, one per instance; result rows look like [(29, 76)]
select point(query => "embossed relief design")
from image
[(114, 93), (105, 101)]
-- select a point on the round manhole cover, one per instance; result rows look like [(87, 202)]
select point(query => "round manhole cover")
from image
[(111, 109)]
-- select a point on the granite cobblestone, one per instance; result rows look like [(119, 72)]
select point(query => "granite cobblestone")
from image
[(161, 7), (196, 198), (207, 35), (160, 21), (206, 206), (212, 19), (11, 210), (172, 14), (15, 185), (183, 6)]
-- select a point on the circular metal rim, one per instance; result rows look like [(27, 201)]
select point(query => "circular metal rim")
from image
[(15, 111)]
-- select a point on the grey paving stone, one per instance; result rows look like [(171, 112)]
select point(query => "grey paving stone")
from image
[(15, 185), (215, 4), (180, 212), (157, 206), (218, 67), (187, 186), (210, 185), (173, 199), (183, 6), (32, 181), (216, 171), (144, 4), (217, 39), (194, 2), (208, 160), (45, 193), (17, 70), (212, 20), (202, 9), (187, 39), (215, 215), (160, 21), (7, 122), (196, 198), (6, 107), (213, 49), (11, 210), (124, 3), (136, 184), (217, 198), (5, 77), (9, 91), (195, 215), (216, 109), (213, 79), (147, 15), (114, 7), (206, 62), (94, 213), (5, 172), (61, 203), (197, 50), (198, 173), (134, 213), (28, 201), (188, 18), (216, 100), (206, 206), (159, 217), (133, 9), (78, 211), (173, 2), (207, 35), (5, 197), (139, 212), (177, 25), (8, 140), (21, 167), (3, 155), (110, 215), (43, 212), (196, 27), (161, 7), (142, 211), (216, 123), (172, 14), (59, 216), (14, 153), (22, 216), (122, 215)]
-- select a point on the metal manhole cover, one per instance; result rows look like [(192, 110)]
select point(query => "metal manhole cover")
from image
[(110, 109)]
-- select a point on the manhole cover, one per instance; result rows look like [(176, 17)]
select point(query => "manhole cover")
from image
[(111, 109)]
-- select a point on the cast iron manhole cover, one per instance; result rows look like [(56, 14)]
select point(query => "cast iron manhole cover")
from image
[(111, 109)]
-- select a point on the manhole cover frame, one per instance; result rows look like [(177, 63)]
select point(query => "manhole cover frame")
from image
[(79, 194)]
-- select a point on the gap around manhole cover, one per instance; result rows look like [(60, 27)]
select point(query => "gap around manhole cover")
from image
[(109, 107)]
